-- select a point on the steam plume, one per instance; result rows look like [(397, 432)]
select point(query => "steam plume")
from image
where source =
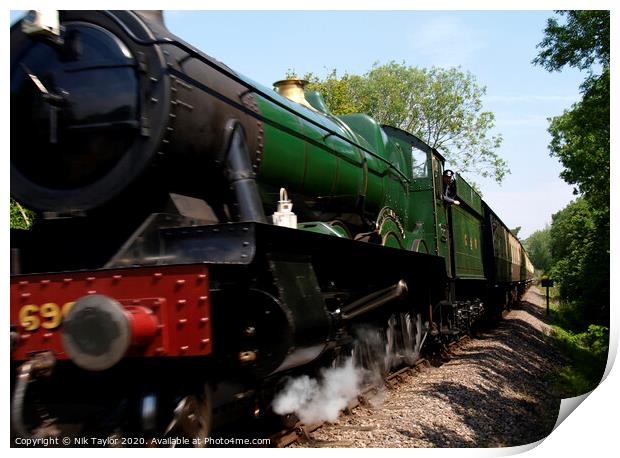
[(315, 401)]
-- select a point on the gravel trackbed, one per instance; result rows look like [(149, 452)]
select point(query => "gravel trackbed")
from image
[(493, 392)]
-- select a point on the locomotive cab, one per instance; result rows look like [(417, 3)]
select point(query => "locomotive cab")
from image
[(430, 230)]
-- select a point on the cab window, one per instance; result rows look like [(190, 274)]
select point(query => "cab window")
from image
[(419, 166)]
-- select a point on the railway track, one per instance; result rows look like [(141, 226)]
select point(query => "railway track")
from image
[(300, 433)]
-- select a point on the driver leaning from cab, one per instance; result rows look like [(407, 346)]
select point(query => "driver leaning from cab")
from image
[(449, 189)]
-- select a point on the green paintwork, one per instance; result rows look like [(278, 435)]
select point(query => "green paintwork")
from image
[(501, 250), (465, 193), (368, 129), (426, 226), (467, 240), (306, 159), (350, 165), (315, 99), (421, 208), (321, 228), (340, 229), (390, 228), (442, 228)]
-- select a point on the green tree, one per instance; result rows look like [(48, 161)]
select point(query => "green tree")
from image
[(580, 140), (443, 107), (580, 136), (538, 247), (581, 262), (581, 42), (21, 218)]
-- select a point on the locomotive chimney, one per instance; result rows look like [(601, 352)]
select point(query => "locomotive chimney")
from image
[(293, 89)]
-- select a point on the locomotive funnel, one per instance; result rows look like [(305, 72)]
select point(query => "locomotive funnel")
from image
[(293, 89)]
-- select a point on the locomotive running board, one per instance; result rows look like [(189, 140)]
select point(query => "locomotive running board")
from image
[(242, 243), (364, 267)]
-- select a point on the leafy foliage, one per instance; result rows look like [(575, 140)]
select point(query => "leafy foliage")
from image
[(585, 352), (443, 107), (596, 338), (580, 139), (587, 356), (578, 239), (580, 254), (580, 136), (581, 42), (21, 218), (538, 247)]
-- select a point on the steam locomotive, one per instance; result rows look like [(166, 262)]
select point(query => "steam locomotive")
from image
[(199, 236)]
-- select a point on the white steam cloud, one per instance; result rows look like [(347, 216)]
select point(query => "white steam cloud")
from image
[(375, 351), (315, 401)]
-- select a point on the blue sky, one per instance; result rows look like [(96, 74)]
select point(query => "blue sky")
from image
[(496, 46)]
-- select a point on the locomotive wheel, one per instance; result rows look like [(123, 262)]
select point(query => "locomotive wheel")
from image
[(193, 418), (416, 326), (370, 353), (404, 336), (341, 355)]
